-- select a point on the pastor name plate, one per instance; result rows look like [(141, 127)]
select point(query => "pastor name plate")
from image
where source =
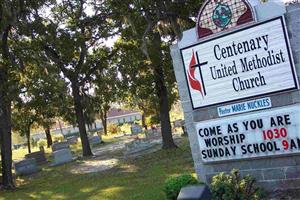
[(246, 106)]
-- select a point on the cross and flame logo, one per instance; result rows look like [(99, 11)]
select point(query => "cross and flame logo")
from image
[(194, 83)]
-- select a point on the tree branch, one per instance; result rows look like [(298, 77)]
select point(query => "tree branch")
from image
[(50, 52), (146, 32)]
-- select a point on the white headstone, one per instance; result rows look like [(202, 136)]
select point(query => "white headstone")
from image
[(62, 156)]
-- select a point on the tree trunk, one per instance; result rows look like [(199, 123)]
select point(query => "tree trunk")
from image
[(104, 122), (60, 128), (28, 139), (144, 120), (162, 93), (86, 149), (165, 116), (5, 140), (103, 116), (49, 137), (5, 118)]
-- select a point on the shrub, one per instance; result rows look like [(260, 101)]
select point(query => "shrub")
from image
[(125, 128), (138, 121), (42, 143), (233, 187), (58, 137), (113, 128), (152, 120), (174, 184)]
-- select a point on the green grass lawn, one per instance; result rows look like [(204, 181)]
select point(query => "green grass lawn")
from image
[(136, 179)]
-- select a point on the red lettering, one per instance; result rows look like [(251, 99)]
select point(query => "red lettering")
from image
[(285, 144), (283, 132), (275, 133)]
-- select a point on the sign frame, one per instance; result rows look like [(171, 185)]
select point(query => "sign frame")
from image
[(289, 52)]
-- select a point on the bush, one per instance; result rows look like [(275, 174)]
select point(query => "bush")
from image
[(125, 128), (58, 137), (42, 143), (233, 187), (113, 128), (138, 121), (174, 184), (152, 120)]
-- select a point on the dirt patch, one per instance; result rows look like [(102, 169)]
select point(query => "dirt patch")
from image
[(92, 166), (109, 156)]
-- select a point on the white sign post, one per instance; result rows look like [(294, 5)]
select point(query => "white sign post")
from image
[(248, 62)]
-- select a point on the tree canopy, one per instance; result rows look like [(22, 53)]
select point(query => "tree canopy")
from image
[(55, 63)]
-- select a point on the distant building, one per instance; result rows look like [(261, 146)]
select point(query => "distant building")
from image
[(36, 137), (115, 116), (119, 116)]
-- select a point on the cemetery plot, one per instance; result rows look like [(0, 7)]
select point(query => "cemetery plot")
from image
[(129, 174)]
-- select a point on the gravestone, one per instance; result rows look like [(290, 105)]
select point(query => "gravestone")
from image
[(94, 140), (72, 140), (137, 146), (136, 129), (62, 156), (231, 121), (39, 157), (60, 145), (25, 167), (61, 153), (153, 134)]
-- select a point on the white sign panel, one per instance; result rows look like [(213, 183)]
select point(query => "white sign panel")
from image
[(269, 133), (249, 62), (247, 106)]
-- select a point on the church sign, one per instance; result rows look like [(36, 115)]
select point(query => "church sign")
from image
[(261, 134), (237, 73), (248, 62)]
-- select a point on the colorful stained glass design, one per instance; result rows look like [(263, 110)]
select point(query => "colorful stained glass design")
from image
[(219, 15)]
